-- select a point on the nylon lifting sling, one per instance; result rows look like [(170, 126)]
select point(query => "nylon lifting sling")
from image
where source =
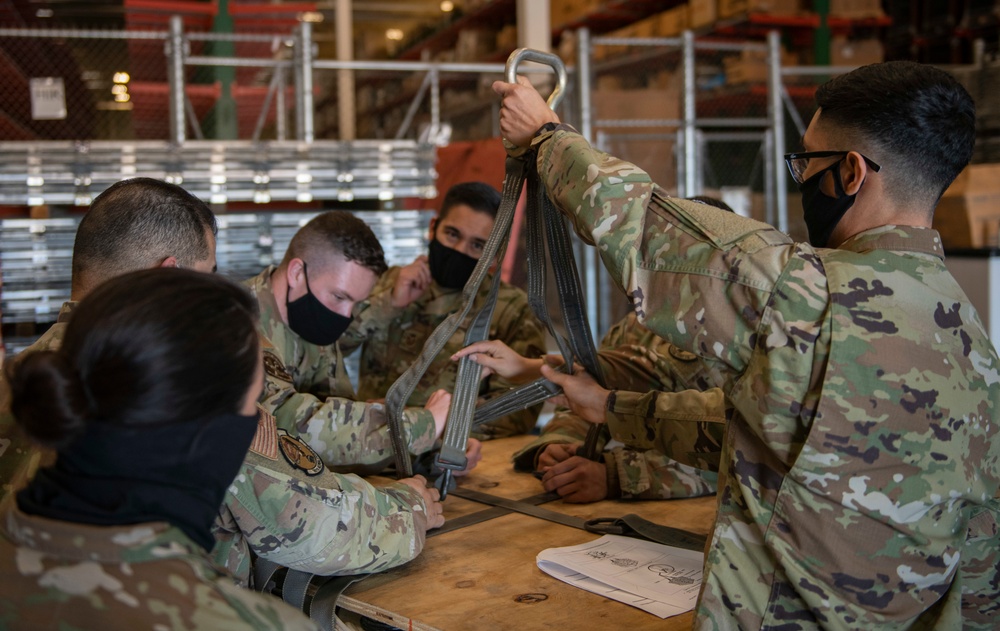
[(544, 226)]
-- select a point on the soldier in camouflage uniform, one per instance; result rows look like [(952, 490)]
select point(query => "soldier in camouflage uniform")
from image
[(409, 303), (114, 534), (862, 464), (351, 527), (305, 303), (133, 225), (636, 361)]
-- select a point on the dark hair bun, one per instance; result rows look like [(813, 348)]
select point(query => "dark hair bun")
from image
[(47, 398)]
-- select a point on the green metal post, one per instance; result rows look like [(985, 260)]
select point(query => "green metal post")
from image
[(821, 43), (222, 120)]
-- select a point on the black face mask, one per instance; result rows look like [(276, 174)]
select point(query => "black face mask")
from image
[(449, 268), (113, 475), (312, 321), (821, 212)]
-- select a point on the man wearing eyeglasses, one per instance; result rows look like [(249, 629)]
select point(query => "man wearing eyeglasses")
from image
[(861, 469)]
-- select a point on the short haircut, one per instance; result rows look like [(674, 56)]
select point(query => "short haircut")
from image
[(479, 196), (337, 232), (917, 121), (153, 347), (137, 223)]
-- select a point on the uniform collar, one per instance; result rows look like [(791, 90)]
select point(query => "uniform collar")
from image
[(270, 317), (897, 239), (67, 310), (84, 542)]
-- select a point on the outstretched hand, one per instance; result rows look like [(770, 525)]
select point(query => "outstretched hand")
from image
[(522, 111), (584, 396)]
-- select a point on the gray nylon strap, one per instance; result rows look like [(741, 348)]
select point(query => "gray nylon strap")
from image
[(472, 519), (520, 507), (295, 587), (630, 525), (264, 572), (323, 607), (467, 381), (515, 400)]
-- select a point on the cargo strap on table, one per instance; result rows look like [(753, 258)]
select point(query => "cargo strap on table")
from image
[(630, 525)]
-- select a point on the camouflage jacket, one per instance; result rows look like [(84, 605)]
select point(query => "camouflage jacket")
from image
[(394, 338), (63, 575), (306, 388), (861, 469), (19, 457), (635, 361), (287, 507)]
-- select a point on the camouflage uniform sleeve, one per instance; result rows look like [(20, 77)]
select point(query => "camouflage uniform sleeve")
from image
[(517, 327), (672, 258), (344, 432), (685, 426), (637, 474), (327, 524)]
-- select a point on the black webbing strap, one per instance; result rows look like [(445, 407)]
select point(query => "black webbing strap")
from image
[(471, 519), (518, 506), (630, 525)]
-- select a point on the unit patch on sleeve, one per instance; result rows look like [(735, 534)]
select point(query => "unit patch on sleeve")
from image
[(275, 367), (680, 354), (298, 454)]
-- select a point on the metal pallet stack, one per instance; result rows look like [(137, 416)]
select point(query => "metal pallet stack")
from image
[(36, 257)]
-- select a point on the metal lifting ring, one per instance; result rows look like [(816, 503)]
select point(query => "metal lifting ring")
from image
[(553, 61)]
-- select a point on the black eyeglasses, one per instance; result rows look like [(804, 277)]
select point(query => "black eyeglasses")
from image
[(799, 162)]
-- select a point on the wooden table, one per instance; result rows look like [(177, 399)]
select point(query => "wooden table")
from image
[(484, 576)]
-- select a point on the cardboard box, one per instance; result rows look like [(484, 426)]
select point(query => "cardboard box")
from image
[(968, 215), (702, 13), (750, 66), (777, 7), (860, 52), (563, 12), (644, 104), (856, 9), (730, 8), (671, 23)]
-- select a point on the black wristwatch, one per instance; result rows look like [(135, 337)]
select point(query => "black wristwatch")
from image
[(547, 127)]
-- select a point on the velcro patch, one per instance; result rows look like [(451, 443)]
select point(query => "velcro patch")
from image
[(275, 367), (299, 454), (265, 441)]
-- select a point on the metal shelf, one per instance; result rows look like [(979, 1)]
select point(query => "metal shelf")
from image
[(57, 172)]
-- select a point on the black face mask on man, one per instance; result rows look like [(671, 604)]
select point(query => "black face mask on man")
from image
[(821, 212), (311, 320), (449, 268)]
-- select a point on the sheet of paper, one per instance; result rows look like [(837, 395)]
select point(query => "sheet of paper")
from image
[(656, 578)]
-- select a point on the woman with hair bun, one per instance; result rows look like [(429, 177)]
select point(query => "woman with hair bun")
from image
[(150, 405)]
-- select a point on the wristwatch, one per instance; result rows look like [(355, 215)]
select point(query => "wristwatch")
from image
[(547, 127)]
